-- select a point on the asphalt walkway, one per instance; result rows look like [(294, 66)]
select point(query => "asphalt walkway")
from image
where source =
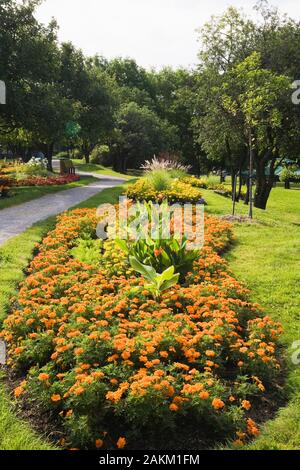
[(15, 220)]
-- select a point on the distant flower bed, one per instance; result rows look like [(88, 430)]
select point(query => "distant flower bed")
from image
[(119, 366), (47, 181), (226, 191), (204, 183), (176, 191), (5, 184)]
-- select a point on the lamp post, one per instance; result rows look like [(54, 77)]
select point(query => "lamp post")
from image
[(250, 175)]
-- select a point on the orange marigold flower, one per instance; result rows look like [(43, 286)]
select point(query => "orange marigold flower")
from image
[(79, 351), (204, 395), (246, 405), (99, 443), (18, 392), (174, 407), (43, 377), (19, 350), (125, 355), (121, 443), (210, 353), (164, 354), (55, 398), (252, 428), (218, 404), (238, 443)]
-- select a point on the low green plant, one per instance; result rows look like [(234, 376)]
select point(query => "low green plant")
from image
[(162, 251), (161, 254), (158, 282), (88, 251)]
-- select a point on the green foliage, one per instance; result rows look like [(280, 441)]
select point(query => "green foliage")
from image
[(35, 167), (161, 251), (159, 180), (139, 134), (88, 251), (158, 282), (290, 173), (161, 254), (99, 153)]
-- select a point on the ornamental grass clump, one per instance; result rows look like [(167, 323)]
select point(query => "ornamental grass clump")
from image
[(98, 352)]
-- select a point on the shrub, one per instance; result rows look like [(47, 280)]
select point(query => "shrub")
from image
[(99, 153), (35, 167), (111, 361), (290, 173), (226, 191), (196, 182)]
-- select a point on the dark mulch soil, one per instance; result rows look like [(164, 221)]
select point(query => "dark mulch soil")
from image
[(187, 438)]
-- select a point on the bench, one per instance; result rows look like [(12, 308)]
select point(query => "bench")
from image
[(67, 167)]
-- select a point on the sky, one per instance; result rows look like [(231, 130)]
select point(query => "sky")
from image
[(155, 33)]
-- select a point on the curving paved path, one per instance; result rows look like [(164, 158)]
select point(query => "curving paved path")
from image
[(15, 220)]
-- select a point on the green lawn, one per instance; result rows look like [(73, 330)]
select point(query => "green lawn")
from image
[(100, 169), (28, 193), (266, 257)]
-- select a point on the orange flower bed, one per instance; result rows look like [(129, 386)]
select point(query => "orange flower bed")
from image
[(112, 362)]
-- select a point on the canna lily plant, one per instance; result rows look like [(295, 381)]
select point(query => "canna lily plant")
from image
[(158, 283)]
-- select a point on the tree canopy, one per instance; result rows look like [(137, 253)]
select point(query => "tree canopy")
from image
[(58, 99)]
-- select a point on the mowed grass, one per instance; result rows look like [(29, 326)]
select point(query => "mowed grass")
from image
[(28, 193), (99, 169), (265, 256)]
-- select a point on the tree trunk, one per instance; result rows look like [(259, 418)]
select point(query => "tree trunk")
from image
[(233, 185), (287, 184), (239, 194), (264, 184)]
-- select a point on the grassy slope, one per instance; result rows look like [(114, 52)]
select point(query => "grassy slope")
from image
[(265, 256), (25, 194), (102, 170)]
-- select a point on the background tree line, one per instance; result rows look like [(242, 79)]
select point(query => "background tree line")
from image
[(238, 96)]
